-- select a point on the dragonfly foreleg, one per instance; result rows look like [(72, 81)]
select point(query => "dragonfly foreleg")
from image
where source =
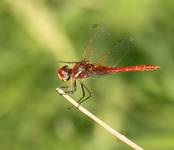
[(70, 89)]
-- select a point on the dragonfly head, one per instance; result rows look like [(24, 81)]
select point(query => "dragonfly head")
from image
[(64, 73)]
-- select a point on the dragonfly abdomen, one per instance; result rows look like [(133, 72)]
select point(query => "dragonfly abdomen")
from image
[(135, 68)]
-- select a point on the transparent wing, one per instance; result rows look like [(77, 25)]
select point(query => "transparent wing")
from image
[(97, 37), (116, 53)]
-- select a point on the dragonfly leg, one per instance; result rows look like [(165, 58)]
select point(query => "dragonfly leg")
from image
[(70, 91), (83, 95), (83, 92), (82, 99)]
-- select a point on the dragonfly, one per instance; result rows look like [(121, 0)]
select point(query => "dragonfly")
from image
[(78, 70)]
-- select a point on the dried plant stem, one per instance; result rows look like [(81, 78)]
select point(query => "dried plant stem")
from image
[(100, 122)]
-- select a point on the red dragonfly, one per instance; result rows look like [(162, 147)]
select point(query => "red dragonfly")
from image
[(85, 68)]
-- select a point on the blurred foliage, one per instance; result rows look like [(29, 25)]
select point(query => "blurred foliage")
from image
[(35, 34)]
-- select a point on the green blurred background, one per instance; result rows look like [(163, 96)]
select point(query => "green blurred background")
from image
[(34, 35)]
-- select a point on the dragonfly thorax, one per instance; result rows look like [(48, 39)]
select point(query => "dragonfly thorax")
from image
[(64, 73)]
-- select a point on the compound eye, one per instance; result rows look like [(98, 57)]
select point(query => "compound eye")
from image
[(64, 73)]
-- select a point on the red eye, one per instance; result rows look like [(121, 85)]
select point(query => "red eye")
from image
[(64, 73)]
